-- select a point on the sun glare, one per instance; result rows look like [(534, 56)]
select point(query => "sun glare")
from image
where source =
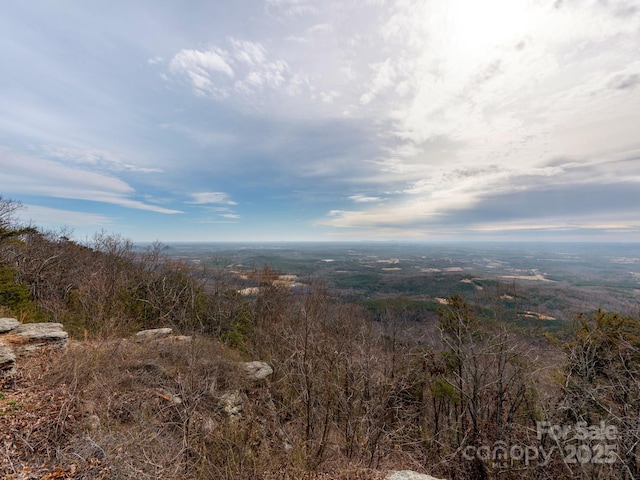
[(474, 26)]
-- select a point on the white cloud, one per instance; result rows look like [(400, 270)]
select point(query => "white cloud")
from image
[(31, 175), (336, 213), (364, 198), (320, 28), (246, 70), (249, 53), (329, 97), (203, 63), (296, 39), (384, 75), (400, 213), (427, 106), (46, 217), (254, 79), (135, 168), (126, 202), (202, 69), (95, 157), (294, 8), (203, 198), (47, 174)]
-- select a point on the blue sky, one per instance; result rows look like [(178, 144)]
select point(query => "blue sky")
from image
[(322, 120)]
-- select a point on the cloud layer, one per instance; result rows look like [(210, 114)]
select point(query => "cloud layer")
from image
[(320, 120)]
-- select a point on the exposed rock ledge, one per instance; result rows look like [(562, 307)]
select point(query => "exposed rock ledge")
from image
[(160, 335), (18, 339), (409, 475)]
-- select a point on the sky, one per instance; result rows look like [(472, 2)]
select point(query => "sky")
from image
[(290, 120)]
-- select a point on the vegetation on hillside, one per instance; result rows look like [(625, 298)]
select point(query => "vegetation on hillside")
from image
[(356, 389)]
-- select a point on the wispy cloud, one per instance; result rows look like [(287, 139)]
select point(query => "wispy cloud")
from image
[(207, 198), (364, 198), (201, 68), (96, 158), (55, 217), (31, 175), (293, 8)]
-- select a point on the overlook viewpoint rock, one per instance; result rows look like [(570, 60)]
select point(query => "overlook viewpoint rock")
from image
[(18, 339)]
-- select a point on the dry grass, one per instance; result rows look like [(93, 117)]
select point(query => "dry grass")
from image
[(121, 410), (40, 432)]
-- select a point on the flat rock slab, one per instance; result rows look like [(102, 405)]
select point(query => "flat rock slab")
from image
[(153, 334), (28, 337), (410, 475), (41, 331), (8, 324), (21, 339)]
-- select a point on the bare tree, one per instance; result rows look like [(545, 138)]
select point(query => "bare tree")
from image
[(601, 385)]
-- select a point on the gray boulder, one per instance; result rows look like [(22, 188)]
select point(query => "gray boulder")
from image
[(409, 475), (153, 334), (8, 324), (257, 370), (17, 339), (7, 359), (232, 403), (26, 338)]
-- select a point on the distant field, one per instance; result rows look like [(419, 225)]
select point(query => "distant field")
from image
[(536, 284)]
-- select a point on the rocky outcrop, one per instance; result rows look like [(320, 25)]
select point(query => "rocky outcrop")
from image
[(31, 336), (7, 360), (257, 370), (8, 324), (232, 404), (409, 475), (160, 335), (154, 333), (17, 339)]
